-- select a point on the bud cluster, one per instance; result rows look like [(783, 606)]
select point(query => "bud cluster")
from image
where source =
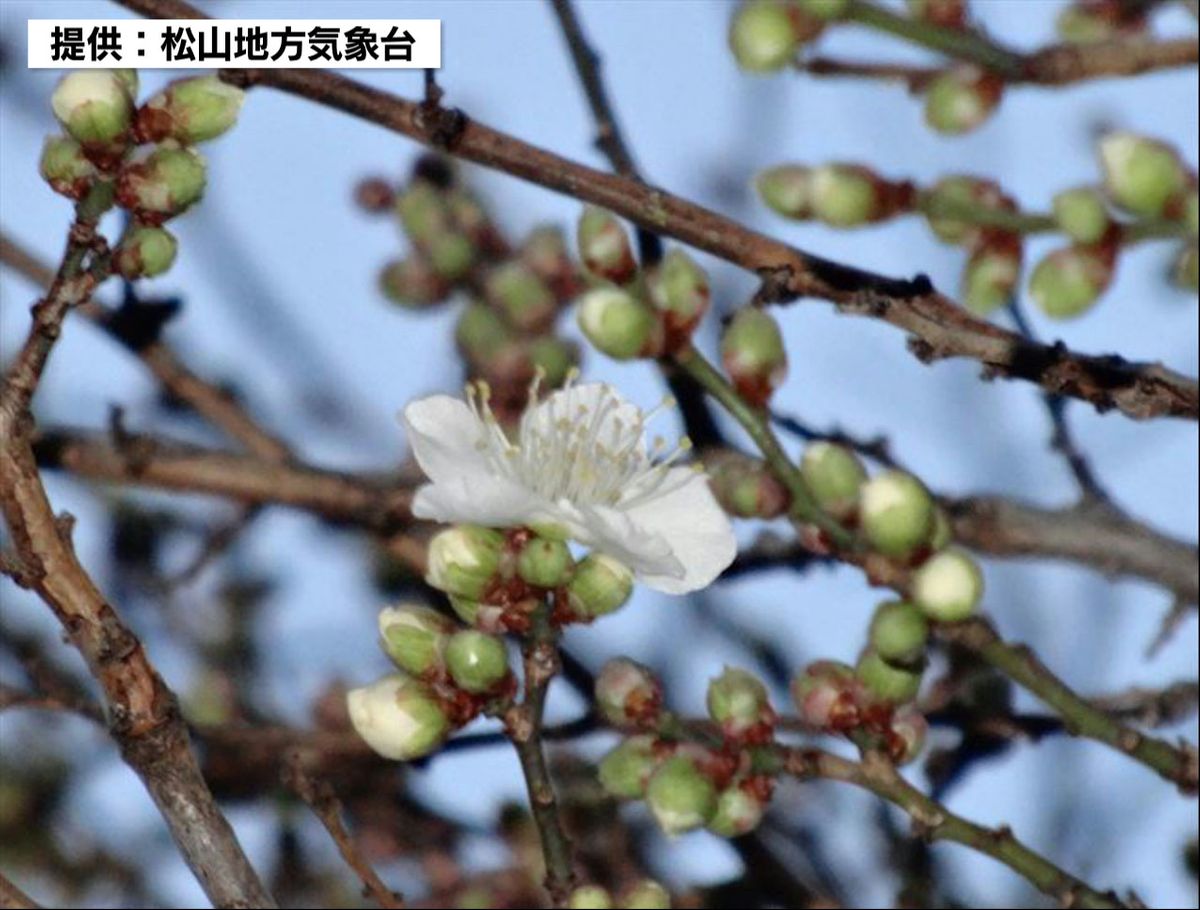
[(145, 152), (840, 194), (766, 35), (630, 312), (496, 579), (646, 893)]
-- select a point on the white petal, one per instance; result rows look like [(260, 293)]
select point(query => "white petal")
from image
[(613, 532), (476, 498), (443, 433), (698, 531)]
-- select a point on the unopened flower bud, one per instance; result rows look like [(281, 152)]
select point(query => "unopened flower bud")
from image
[(896, 513), (472, 220), (946, 13), (480, 331), (825, 694), (847, 195), (992, 273), (600, 585), (1068, 282), (488, 617), (476, 660), (680, 292), (554, 357), (948, 587), (1081, 214), (762, 35), (739, 811), (739, 703), (412, 283), (604, 246), (545, 563), (887, 682), (1098, 21), (463, 560), (646, 895), (165, 184), (753, 354), (626, 769), (834, 476), (899, 632), (1141, 175), (1185, 273), (129, 79), (144, 252), (545, 251), (524, 299), (618, 324), (961, 98), (398, 717), (414, 637), (190, 110), (65, 167), (942, 533), (908, 730), (94, 106), (787, 189), (627, 693), (945, 200), (590, 897), (745, 487), (423, 212), (451, 254), (681, 797)]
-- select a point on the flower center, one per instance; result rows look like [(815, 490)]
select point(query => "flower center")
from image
[(586, 448)]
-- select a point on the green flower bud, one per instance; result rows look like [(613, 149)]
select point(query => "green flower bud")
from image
[(826, 695), (943, 203), (680, 796), (129, 79), (589, 897), (412, 283), (463, 560), (834, 476), (524, 299), (414, 637), (94, 106), (753, 354), (845, 195), (545, 251), (825, 9), (1184, 271), (899, 632), (948, 587), (739, 703), (190, 111), (762, 36), (165, 184), (1141, 175), (646, 895), (739, 811), (787, 189), (487, 617), (480, 331), (554, 357), (887, 682), (960, 99), (600, 585), (1086, 23), (65, 167), (896, 513), (398, 717), (627, 693), (144, 252), (907, 735), (625, 771), (477, 661), (946, 13), (604, 246), (679, 290), (745, 487), (545, 563), (1191, 213), (1068, 282), (942, 533), (451, 254), (618, 324), (1082, 214), (991, 274), (423, 212)]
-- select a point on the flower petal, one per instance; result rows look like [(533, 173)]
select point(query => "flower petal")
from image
[(475, 498), (613, 532), (443, 433), (698, 531)]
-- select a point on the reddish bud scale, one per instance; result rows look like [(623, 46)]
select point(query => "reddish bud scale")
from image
[(806, 26), (759, 734), (943, 13), (374, 195)]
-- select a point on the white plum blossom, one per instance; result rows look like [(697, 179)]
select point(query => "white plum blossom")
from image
[(576, 465)]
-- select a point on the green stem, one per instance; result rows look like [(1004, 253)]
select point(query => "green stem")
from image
[(1020, 664), (960, 44), (754, 422)]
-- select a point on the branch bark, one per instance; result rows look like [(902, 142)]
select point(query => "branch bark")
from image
[(939, 327)]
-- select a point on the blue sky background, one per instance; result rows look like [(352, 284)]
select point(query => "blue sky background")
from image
[(279, 271)]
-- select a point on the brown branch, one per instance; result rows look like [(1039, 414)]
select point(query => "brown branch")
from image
[(142, 712), (13, 898), (940, 328), (319, 797)]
